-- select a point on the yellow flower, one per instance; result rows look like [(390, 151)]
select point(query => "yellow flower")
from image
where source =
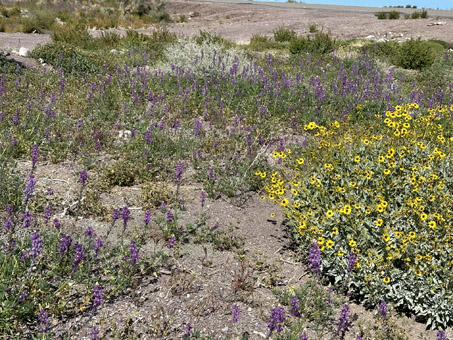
[(386, 280), (418, 272), (386, 237), (347, 209), (320, 241), (381, 159), (432, 224), (379, 222), (398, 234), (272, 215), (275, 154), (340, 253), (423, 216), (357, 159), (334, 230), (263, 175), (284, 202), (352, 243), (386, 171), (300, 161), (412, 235), (329, 213), (330, 243)]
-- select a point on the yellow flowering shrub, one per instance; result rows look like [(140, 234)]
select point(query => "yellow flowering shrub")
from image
[(385, 193)]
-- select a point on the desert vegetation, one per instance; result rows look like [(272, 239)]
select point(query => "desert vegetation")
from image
[(350, 140)]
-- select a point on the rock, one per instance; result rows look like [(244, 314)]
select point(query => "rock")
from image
[(437, 23), (59, 22), (370, 37), (194, 14), (23, 51)]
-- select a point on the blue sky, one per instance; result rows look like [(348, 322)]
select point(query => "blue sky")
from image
[(441, 4)]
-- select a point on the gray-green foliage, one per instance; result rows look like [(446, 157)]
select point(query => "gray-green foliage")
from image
[(153, 8)]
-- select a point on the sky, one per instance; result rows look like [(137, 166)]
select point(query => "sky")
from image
[(441, 4)]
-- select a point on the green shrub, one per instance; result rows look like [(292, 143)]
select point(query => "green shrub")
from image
[(263, 43), (321, 43), (282, 34), (76, 35), (313, 28), (424, 14), (68, 57), (415, 55), (209, 38), (394, 15), (415, 15), (382, 15)]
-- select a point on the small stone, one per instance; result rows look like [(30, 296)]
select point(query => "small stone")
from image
[(23, 51), (194, 14)]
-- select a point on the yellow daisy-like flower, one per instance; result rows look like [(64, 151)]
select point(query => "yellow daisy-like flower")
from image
[(352, 243), (335, 230), (379, 222), (346, 209), (380, 208), (398, 234), (258, 173), (423, 216), (386, 171), (381, 159), (386, 237), (340, 253), (330, 244), (284, 202), (329, 213), (412, 235), (294, 191), (386, 280), (275, 154), (418, 272), (357, 159), (432, 224), (263, 175), (300, 161), (320, 241), (271, 196)]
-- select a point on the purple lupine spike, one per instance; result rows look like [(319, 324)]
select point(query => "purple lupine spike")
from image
[(295, 306), (27, 219), (352, 260), (187, 334), (56, 223), (98, 297), (178, 172), (115, 215), (64, 244), (97, 245), (36, 245), (441, 335), (7, 224), (83, 177), (94, 333), (383, 309), (126, 215), (48, 213), (314, 258), (133, 251), (34, 155), (170, 216), (344, 322), (147, 217), (202, 198), (89, 232), (304, 336), (211, 174), (23, 295), (44, 323), (78, 255), (277, 318), (29, 189), (235, 312), (171, 242)]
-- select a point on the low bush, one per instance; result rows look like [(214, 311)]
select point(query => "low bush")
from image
[(282, 34), (393, 15), (415, 55), (321, 43)]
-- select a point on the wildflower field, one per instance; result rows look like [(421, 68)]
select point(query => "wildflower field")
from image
[(349, 141)]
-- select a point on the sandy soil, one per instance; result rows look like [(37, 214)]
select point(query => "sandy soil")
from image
[(239, 21)]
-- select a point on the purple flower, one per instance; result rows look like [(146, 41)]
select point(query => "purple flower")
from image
[(441, 335), (48, 213), (211, 174), (56, 223), (314, 258), (359, 337), (188, 332), (352, 260), (89, 232), (343, 322), (276, 319), (126, 215), (10, 209), (115, 215), (133, 251), (27, 220), (295, 306), (83, 176), (202, 198), (197, 128), (170, 216), (29, 189), (178, 172), (236, 312), (34, 155), (171, 242), (98, 296), (383, 309), (23, 295), (64, 244), (304, 336), (7, 224), (36, 245), (97, 245), (147, 217), (94, 334), (78, 255), (44, 322)]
